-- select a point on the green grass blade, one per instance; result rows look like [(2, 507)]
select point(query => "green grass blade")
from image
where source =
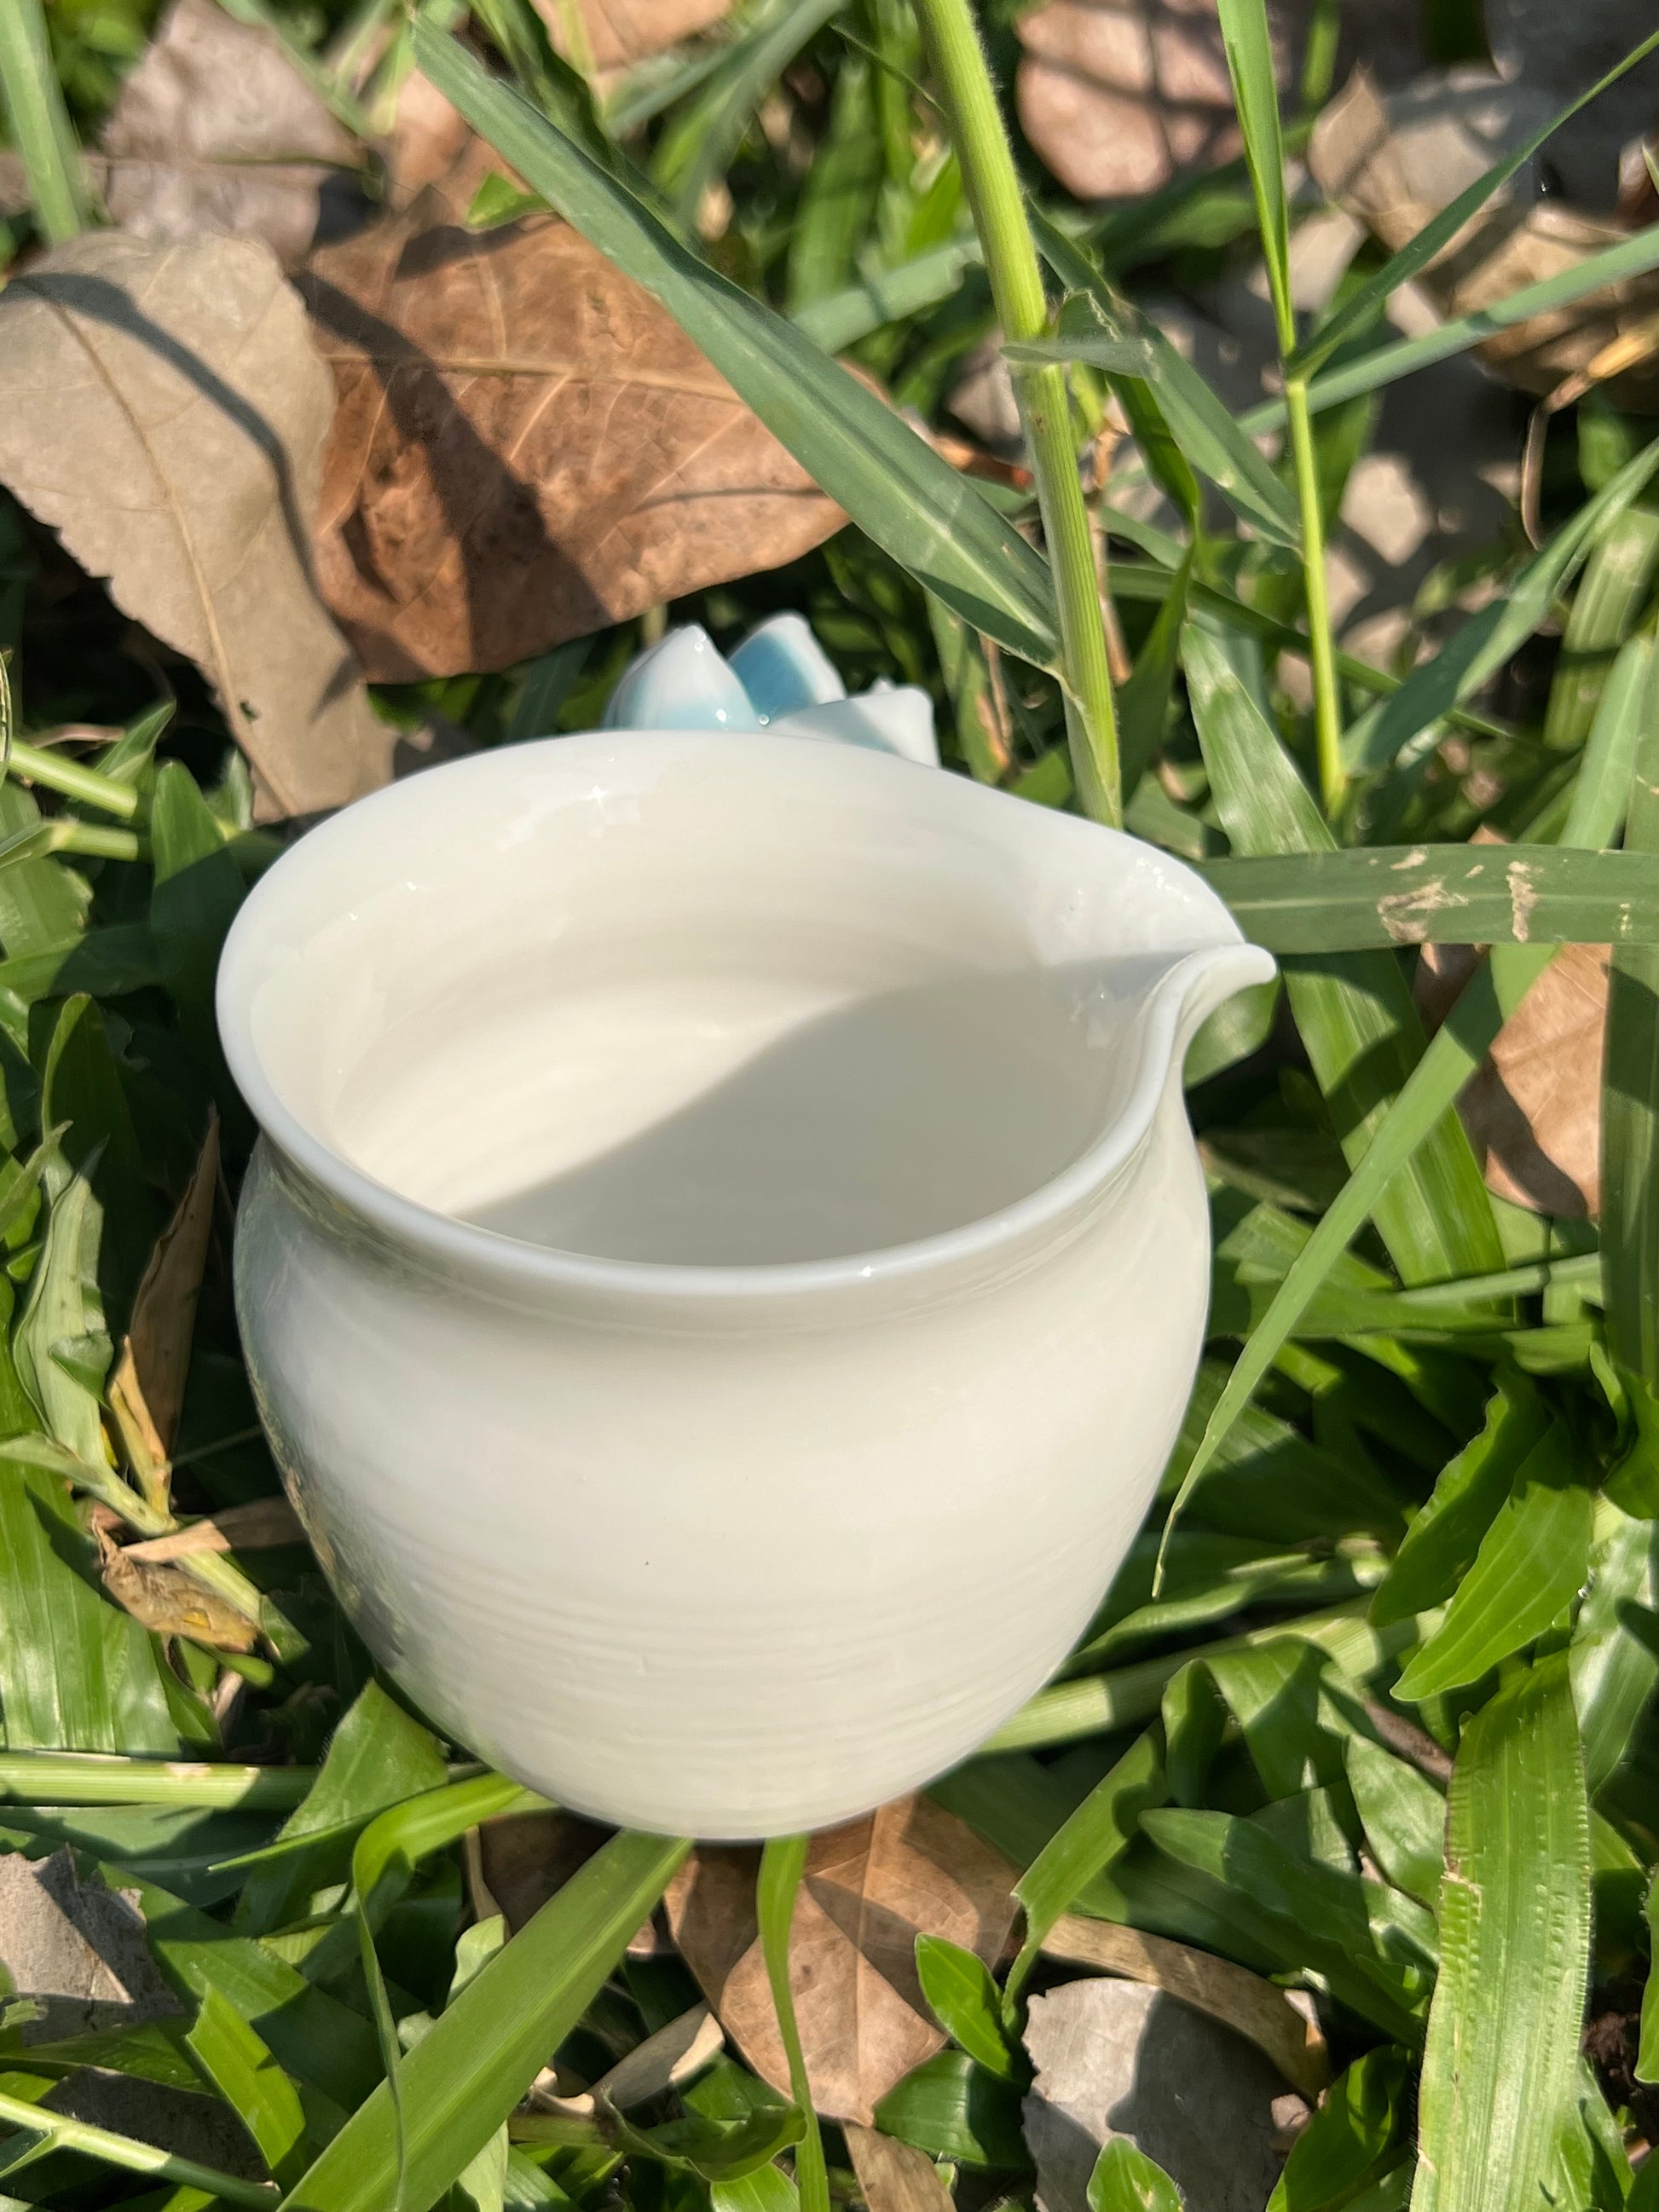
[(1614, 264), (1608, 601), (1615, 1669), (37, 1777), (965, 2001), (1630, 1101), (1500, 2073), (1249, 49), (783, 1862), (1393, 894), (1488, 640), (463, 2079), (896, 488), (1403, 1815), (1350, 2139), (1103, 1825), (1125, 2179), (1125, 1697), (1532, 1561), (1441, 1544), (1310, 1916), (1354, 313), (888, 295), (1097, 327), (1453, 1053), (239, 2066), (699, 142), (321, 2042), (404, 1834), (1354, 1011), (39, 122), (59, 2132)]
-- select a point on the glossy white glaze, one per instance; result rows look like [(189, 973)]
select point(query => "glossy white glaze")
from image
[(727, 1260)]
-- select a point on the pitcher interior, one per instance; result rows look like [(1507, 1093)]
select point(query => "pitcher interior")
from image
[(704, 1017)]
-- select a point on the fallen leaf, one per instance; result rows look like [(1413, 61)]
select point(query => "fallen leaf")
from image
[(216, 131), (163, 408), (259, 1526), (147, 1390), (894, 2176), (428, 138), (170, 1601), (1118, 95), (1533, 1109), (869, 1890), (1115, 2064), (1240, 2000), (619, 32), (1395, 163), (527, 446)]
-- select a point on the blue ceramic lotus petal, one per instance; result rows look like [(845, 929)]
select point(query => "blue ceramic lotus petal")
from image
[(780, 679), (680, 683), (783, 668)]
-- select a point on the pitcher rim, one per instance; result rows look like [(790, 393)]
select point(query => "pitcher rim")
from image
[(512, 1263)]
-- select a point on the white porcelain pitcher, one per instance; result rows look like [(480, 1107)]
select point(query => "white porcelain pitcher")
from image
[(727, 1259)]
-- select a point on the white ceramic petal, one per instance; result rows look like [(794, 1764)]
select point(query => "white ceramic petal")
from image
[(889, 718), (680, 683), (783, 668)]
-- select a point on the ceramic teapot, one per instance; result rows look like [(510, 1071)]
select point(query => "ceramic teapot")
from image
[(726, 1258)]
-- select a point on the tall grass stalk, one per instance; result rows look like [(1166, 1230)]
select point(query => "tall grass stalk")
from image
[(1012, 264), (39, 122)]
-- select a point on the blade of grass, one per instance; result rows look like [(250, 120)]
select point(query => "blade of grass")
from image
[(1368, 895), (1492, 637), (1248, 43), (1354, 1011), (1103, 1825), (71, 1778), (39, 122), (1609, 599), (1453, 1053), (915, 505), (1353, 314), (1500, 2072), (59, 2132), (1042, 393), (1532, 1561), (783, 1862), (462, 2080), (1125, 1697), (699, 142), (1630, 1099), (1096, 325)]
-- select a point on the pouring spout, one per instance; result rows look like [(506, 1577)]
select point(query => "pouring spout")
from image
[(1200, 981)]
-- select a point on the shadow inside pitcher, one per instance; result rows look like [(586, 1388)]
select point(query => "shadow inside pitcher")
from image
[(674, 1103)]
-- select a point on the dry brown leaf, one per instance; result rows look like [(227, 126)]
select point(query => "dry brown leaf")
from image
[(163, 409), (259, 1526), (428, 138), (147, 1391), (527, 447), (869, 1890), (618, 33), (1534, 1109), (170, 1601), (1240, 2000), (1395, 163), (895, 2176), (216, 131)]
